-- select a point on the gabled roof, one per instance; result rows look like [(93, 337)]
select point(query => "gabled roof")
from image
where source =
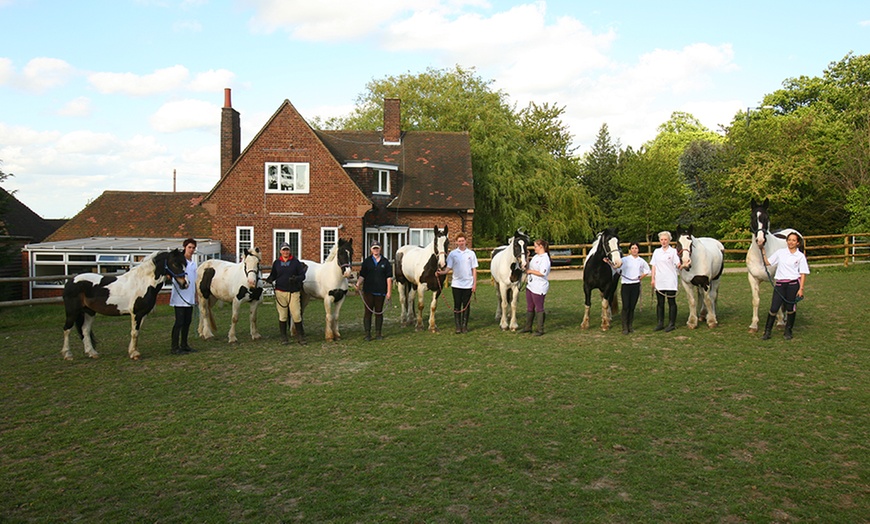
[(18, 220), (436, 165), (149, 214)]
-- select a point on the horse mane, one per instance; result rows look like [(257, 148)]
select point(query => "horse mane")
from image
[(332, 253)]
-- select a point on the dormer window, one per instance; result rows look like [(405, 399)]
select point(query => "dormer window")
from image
[(286, 177), (382, 182)]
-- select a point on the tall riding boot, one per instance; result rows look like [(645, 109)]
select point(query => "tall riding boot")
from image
[(539, 330), (625, 322), (282, 326), (771, 320), (176, 350), (631, 322), (660, 316), (457, 321), (367, 325), (300, 333), (789, 324), (379, 324), (672, 318), (530, 319), (464, 320), (184, 345)]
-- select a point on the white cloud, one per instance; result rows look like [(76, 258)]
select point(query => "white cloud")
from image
[(6, 71), (181, 115), (160, 81), (212, 80), (79, 106), (43, 73), (187, 26)]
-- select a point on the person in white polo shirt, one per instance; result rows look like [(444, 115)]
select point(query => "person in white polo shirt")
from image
[(463, 263), (791, 275)]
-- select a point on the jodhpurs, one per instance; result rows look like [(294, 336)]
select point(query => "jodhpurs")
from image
[(287, 302), (785, 296)]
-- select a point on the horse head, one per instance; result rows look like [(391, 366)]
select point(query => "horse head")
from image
[(251, 262), (174, 266), (520, 242), (440, 246), (609, 245), (685, 240), (759, 222), (344, 257)]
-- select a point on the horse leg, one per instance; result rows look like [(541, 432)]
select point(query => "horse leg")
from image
[(498, 309), (206, 318), (231, 336), (503, 306), (255, 332), (432, 305), (585, 323), (67, 327), (514, 297), (135, 327), (336, 310), (693, 312), (403, 302), (753, 286), (328, 333), (421, 293), (710, 304), (605, 313), (88, 336)]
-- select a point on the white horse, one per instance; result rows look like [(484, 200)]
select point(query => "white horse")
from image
[(228, 282), (507, 267), (134, 293), (702, 260), (416, 269), (770, 242), (328, 282)]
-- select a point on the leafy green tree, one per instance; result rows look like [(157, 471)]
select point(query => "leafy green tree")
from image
[(524, 171)]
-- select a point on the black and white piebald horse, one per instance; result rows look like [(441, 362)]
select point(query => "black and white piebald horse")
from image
[(507, 268), (219, 280), (134, 293), (600, 272), (762, 237), (328, 282), (702, 261), (415, 272)]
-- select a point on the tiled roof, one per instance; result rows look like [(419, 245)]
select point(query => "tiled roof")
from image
[(18, 220), (149, 214), (436, 165)]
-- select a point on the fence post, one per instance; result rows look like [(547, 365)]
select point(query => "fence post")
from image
[(846, 250)]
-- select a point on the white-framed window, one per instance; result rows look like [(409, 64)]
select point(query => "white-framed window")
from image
[(382, 182), (60, 264), (420, 236), (391, 239), (292, 237), (286, 177), (328, 240), (244, 240)]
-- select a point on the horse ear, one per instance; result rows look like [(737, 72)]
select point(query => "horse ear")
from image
[(445, 230), (752, 203), (691, 230), (766, 203)]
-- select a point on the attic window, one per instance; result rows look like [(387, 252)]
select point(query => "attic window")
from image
[(286, 177), (382, 182)]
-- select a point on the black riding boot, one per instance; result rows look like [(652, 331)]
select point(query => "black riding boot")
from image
[(379, 324), (789, 324), (660, 316), (530, 319), (457, 321), (672, 317), (463, 321), (282, 326), (539, 330), (300, 333), (176, 350), (771, 320), (184, 345), (367, 325), (626, 322)]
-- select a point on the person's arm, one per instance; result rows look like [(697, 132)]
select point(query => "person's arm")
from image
[(474, 279), (389, 287), (803, 279)]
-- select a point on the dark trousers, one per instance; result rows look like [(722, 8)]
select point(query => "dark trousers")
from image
[(630, 295), (672, 306), (374, 305), (461, 305), (181, 328), (785, 294)]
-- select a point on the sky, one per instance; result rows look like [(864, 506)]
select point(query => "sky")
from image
[(126, 95)]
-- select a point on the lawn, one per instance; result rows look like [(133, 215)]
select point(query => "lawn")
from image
[(575, 426)]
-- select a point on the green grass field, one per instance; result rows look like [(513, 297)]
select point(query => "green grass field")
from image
[(575, 426)]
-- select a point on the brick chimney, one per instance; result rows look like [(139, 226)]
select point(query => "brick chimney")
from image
[(392, 121), (231, 134)]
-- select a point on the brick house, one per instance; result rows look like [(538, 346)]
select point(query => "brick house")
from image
[(308, 187), (292, 184)]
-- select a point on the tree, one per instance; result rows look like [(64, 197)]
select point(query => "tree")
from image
[(598, 170), (524, 173)]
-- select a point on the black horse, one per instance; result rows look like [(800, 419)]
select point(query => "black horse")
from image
[(599, 272)]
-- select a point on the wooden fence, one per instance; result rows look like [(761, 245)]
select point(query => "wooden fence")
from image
[(830, 249)]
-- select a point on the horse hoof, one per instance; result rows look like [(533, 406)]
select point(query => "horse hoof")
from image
[(68, 357), (753, 330)]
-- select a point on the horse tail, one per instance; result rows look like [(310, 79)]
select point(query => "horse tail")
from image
[(400, 273), (205, 283)]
